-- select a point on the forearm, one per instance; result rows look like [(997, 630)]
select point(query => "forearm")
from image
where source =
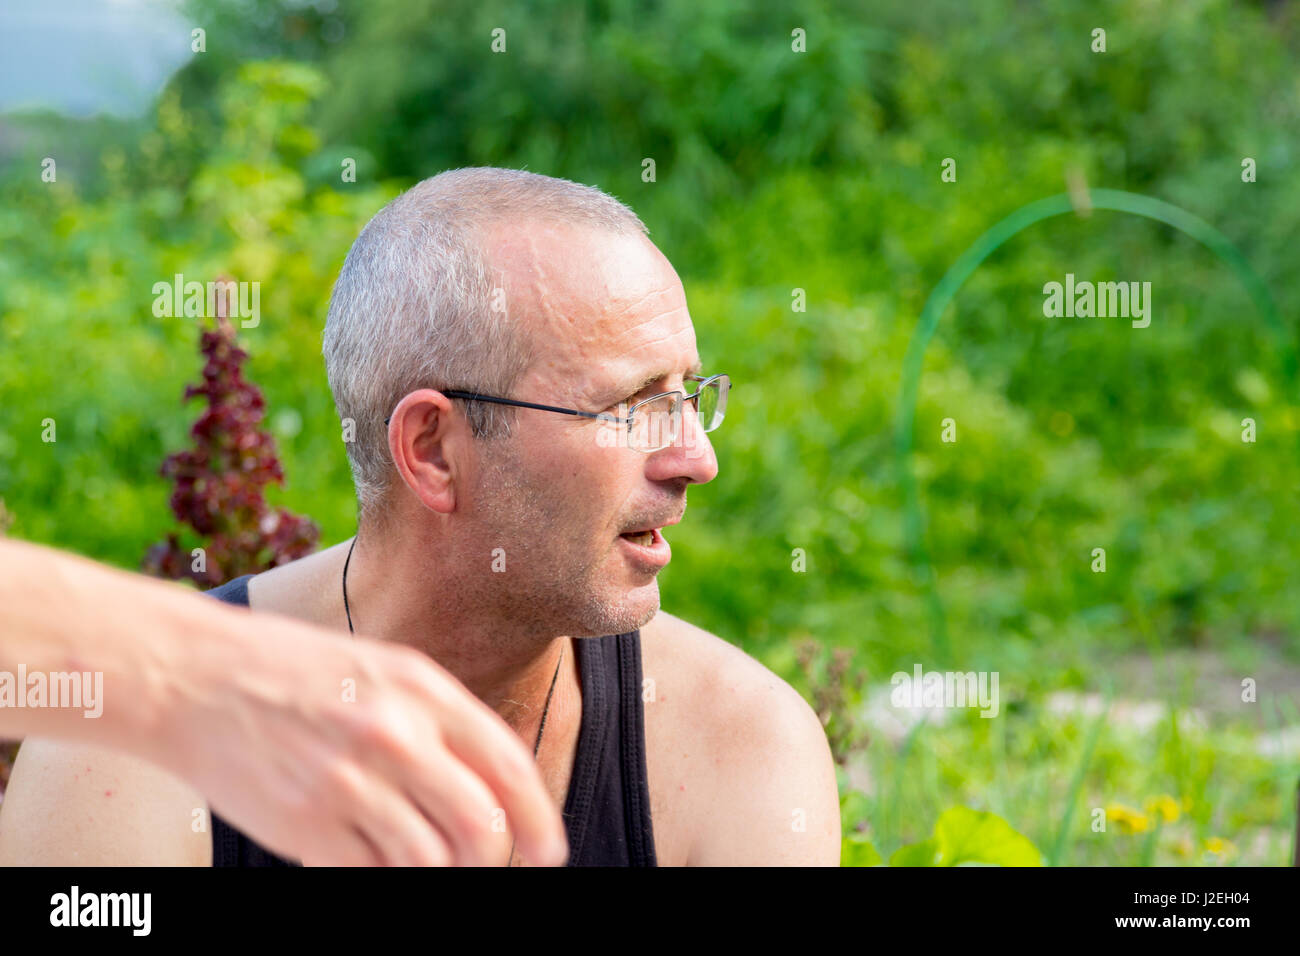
[(123, 633), (247, 709)]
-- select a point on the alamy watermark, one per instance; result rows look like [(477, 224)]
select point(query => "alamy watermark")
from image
[(926, 689), (75, 908), (1102, 300), (53, 689), (196, 300)]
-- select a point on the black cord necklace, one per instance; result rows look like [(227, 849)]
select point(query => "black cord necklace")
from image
[(347, 609)]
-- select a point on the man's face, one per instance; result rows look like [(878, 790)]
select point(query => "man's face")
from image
[(607, 315)]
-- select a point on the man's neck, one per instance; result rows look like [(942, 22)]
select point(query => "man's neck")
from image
[(508, 665)]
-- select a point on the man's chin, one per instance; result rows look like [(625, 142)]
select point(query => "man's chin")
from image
[(623, 614)]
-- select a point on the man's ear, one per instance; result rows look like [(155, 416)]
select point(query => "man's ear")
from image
[(428, 442)]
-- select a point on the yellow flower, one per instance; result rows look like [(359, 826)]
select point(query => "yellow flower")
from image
[(1163, 806), (1219, 846), (1126, 819)]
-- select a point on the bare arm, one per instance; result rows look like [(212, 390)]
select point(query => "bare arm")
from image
[(246, 709)]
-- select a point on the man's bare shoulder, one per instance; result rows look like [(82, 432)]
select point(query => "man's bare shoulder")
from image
[(726, 731), (70, 804), (307, 589), (718, 675)]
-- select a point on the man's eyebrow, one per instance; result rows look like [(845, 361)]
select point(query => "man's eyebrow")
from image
[(649, 380)]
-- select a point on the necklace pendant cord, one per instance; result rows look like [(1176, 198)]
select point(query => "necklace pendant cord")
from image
[(537, 746)]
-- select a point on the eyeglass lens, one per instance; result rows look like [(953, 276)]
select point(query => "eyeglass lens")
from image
[(657, 424)]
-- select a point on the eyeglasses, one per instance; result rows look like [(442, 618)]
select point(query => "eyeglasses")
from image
[(652, 424)]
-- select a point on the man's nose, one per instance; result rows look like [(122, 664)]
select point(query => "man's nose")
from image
[(690, 456)]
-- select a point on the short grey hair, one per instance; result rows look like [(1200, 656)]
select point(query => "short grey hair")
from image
[(412, 307)]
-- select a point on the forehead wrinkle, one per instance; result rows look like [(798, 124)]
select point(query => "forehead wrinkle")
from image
[(585, 307), (693, 369), (588, 289), (606, 340), (637, 382), (631, 305)]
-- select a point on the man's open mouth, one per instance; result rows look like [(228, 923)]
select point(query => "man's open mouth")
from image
[(648, 548)]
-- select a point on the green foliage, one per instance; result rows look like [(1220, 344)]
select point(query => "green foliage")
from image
[(859, 852), (775, 171), (79, 310), (964, 837)]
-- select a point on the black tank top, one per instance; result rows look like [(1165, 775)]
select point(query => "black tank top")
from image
[(607, 809)]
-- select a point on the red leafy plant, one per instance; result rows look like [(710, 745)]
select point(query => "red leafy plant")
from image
[(219, 483), (837, 685)]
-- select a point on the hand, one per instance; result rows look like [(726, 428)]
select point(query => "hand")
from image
[(412, 769)]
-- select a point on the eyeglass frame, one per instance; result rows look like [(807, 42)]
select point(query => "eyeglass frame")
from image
[(599, 416)]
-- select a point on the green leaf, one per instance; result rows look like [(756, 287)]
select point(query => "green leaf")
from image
[(966, 837), (855, 806), (969, 836), (925, 853), (856, 851)]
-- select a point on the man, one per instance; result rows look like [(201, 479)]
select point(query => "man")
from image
[(490, 338)]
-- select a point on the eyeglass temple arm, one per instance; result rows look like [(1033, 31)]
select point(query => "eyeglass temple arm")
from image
[(474, 396), (546, 408), (599, 416)]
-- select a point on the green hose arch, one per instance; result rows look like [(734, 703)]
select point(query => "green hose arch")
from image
[(961, 270)]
